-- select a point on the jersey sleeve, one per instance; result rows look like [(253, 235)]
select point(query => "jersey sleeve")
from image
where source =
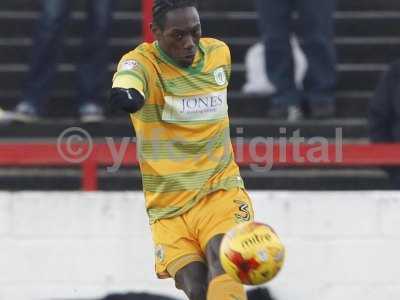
[(228, 62), (130, 74)]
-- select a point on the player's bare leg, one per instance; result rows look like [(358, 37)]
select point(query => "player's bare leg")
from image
[(192, 279), (221, 286)]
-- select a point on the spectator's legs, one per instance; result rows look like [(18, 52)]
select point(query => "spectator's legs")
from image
[(46, 46), (394, 177), (93, 67), (396, 181), (316, 22), (275, 20)]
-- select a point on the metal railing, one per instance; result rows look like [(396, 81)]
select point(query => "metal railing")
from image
[(50, 154)]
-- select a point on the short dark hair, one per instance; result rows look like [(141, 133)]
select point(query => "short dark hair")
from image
[(162, 7)]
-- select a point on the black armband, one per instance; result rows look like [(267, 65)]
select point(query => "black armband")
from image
[(129, 100)]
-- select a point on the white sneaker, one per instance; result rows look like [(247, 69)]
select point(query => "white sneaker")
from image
[(20, 114), (294, 113), (4, 116), (25, 113), (91, 113)]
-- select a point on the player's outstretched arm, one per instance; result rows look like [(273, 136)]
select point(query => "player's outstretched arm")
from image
[(129, 100)]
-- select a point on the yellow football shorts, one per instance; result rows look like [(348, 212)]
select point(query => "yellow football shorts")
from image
[(183, 239)]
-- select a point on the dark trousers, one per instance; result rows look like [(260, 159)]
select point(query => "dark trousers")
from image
[(315, 29), (47, 42), (394, 177)]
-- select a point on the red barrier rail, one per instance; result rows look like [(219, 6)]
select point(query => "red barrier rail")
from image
[(146, 20), (38, 154)]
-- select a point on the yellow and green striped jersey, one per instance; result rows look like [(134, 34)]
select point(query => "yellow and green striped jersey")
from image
[(182, 130)]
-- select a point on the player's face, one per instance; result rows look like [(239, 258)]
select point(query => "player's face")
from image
[(181, 35)]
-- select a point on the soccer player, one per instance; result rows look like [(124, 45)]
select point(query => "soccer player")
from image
[(175, 90)]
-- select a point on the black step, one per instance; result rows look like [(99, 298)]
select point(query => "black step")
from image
[(27, 5), (129, 179), (348, 5), (348, 105), (23, 24), (222, 5), (349, 50), (346, 24), (350, 77), (367, 51), (219, 24), (241, 127), (62, 104), (70, 52)]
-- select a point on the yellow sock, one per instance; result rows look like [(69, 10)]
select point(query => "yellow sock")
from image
[(224, 287)]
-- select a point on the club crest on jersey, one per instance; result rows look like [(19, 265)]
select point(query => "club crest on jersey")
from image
[(159, 253), (220, 77), (129, 65)]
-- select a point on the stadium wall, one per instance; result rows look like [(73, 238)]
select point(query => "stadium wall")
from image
[(58, 245)]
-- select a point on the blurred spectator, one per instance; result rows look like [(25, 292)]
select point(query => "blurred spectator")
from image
[(384, 115), (257, 81), (46, 48), (316, 32)]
